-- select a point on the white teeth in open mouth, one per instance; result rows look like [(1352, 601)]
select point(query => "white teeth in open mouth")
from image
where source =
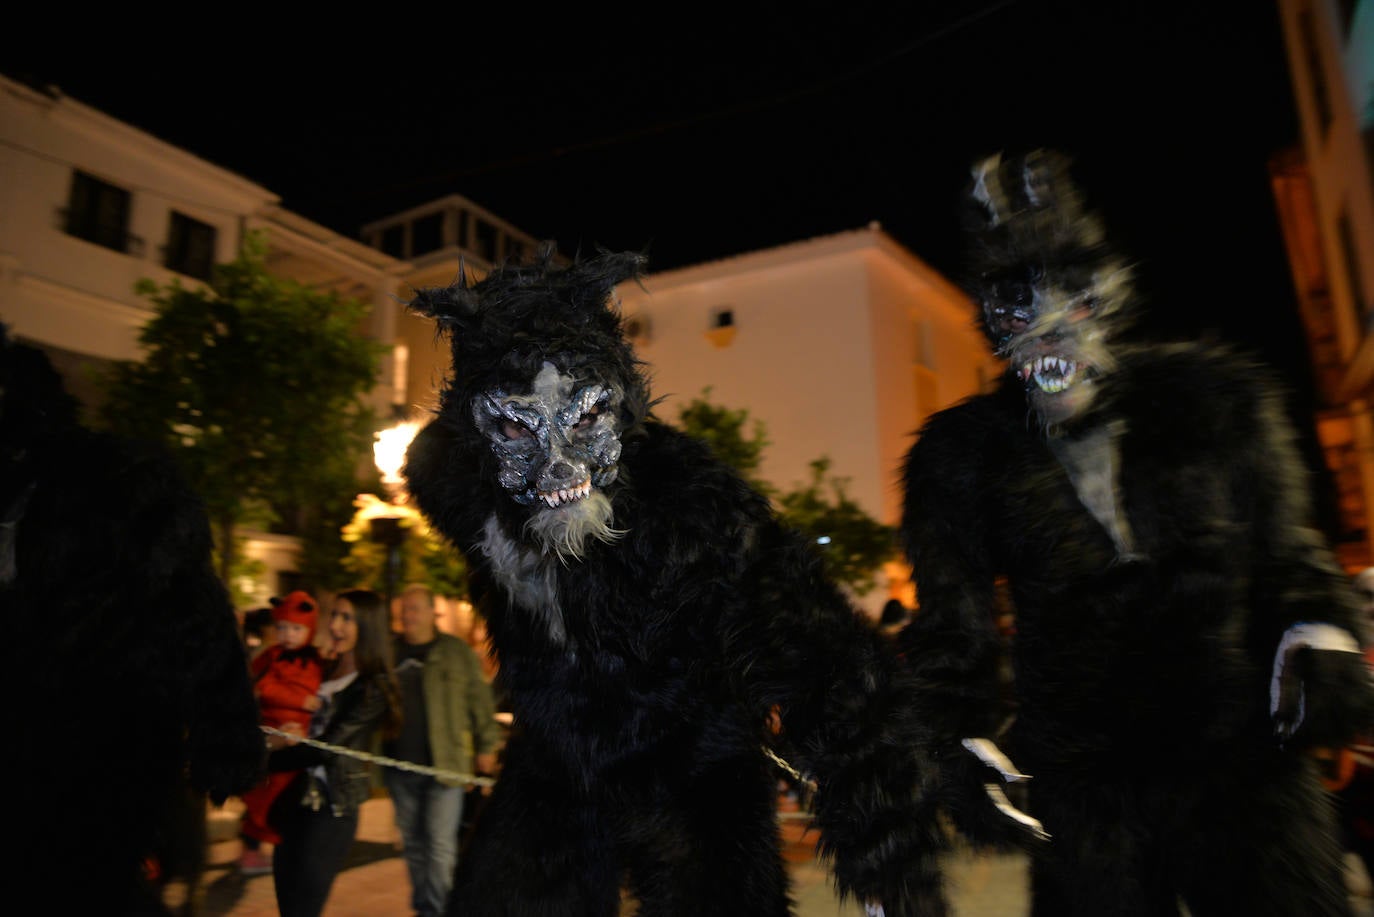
[(567, 495), (1051, 374)]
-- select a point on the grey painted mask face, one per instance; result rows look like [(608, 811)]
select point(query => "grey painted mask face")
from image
[(554, 444)]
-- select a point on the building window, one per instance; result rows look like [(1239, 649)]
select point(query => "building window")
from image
[(461, 219), (394, 241), (722, 330), (190, 246), (486, 240), (427, 234), (98, 212), (1346, 235), (1345, 14)]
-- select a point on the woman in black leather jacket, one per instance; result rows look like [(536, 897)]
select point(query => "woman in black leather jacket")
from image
[(318, 814)]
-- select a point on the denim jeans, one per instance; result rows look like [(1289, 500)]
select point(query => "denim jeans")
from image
[(428, 814)]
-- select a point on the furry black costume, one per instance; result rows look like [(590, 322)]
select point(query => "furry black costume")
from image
[(649, 612), (1181, 634), (128, 680)]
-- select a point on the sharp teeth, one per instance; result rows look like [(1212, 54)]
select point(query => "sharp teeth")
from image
[(563, 495)]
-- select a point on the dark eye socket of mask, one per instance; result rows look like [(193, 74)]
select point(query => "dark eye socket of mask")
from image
[(1015, 294), (512, 430), (588, 419)]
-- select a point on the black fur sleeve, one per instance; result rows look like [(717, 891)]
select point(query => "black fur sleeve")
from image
[(951, 645), (1297, 579), (847, 716)]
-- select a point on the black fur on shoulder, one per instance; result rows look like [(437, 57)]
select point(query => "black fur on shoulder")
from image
[(652, 618)]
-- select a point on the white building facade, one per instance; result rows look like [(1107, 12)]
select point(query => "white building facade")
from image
[(840, 345)]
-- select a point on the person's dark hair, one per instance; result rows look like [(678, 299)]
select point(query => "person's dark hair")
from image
[(257, 623), (373, 652)]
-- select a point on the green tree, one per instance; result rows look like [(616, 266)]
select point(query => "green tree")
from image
[(852, 544), (425, 556), (256, 383), (723, 429)]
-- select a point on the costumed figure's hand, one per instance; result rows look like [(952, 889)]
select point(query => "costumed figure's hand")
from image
[(312, 703), (974, 797), (1320, 692)]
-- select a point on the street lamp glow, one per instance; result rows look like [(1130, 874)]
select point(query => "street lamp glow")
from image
[(389, 451)]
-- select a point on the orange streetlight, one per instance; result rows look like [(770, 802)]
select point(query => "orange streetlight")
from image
[(384, 516)]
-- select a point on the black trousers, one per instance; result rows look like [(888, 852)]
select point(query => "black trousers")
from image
[(314, 846)]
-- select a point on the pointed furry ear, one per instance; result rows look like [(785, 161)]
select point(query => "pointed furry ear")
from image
[(449, 306), (597, 277), (987, 188), (1011, 185), (1041, 170)]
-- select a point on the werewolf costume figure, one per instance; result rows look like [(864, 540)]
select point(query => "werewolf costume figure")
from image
[(650, 614), (130, 698), (1181, 634)]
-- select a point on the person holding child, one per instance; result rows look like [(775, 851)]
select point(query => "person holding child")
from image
[(317, 815)]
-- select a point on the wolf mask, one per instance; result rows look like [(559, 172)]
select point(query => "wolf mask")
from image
[(1054, 295), (544, 388)]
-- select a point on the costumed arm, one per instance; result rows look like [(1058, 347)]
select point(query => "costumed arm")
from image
[(224, 746), (287, 685), (1306, 610), (845, 712), (951, 644), (952, 647)]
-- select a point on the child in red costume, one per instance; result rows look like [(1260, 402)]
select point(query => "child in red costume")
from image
[(286, 676)]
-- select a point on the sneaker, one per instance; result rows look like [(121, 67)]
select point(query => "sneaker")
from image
[(254, 863)]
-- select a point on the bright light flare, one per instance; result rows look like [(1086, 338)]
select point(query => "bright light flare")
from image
[(389, 451)]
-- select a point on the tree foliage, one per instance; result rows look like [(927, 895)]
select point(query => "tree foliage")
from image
[(425, 555), (724, 430), (256, 384), (852, 544)]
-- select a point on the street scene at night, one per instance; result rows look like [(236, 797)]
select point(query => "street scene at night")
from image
[(803, 461)]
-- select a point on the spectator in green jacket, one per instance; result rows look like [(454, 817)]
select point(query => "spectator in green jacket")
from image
[(448, 723)]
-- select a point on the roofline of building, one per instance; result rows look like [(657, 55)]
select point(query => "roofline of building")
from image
[(140, 141), (868, 238), (323, 240)]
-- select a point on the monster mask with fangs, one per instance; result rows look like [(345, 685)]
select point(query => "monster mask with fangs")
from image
[(552, 388), (1183, 636), (556, 448), (1054, 295), (656, 626)]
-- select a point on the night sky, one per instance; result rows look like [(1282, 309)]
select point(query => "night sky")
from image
[(701, 131)]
